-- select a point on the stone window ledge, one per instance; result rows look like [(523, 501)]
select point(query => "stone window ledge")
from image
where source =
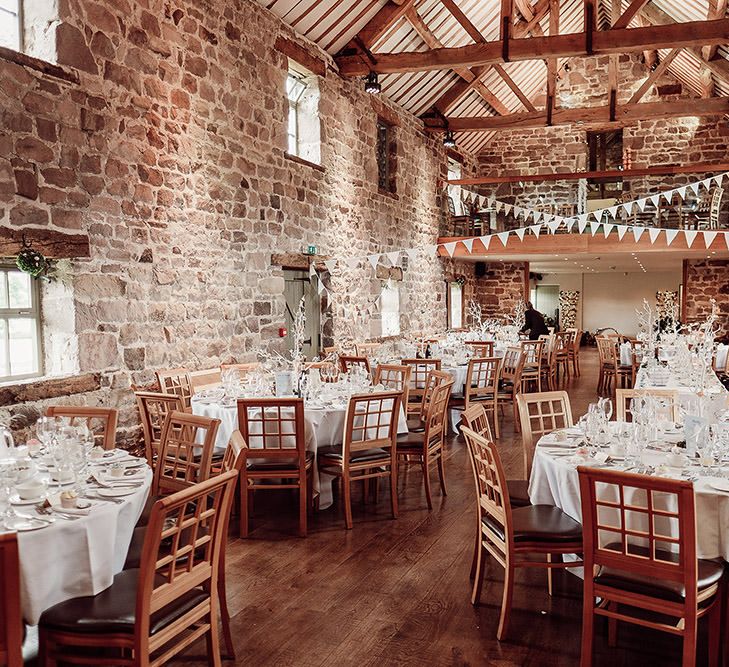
[(37, 389), (301, 160), (38, 65), (389, 194)]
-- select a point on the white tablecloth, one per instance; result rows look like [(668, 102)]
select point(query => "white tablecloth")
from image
[(721, 355), (644, 381), (76, 558), (323, 427), (554, 481)]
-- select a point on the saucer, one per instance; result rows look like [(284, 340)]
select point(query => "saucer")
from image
[(15, 499), (719, 484)]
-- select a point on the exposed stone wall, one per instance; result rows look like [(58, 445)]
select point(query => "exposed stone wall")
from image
[(706, 280), (564, 148), (170, 154)]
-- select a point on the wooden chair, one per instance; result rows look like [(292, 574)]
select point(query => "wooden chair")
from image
[(347, 362), (242, 369), (104, 418), (562, 346), (276, 456), (152, 613), (611, 370), (176, 381), (418, 382), (426, 448), (639, 535), (549, 363), (531, 372), (205, 379), (668, 398), (481, 348), (11, 620), (366, 349), (514, 536), (369, 450), (482, 387), (574, 350), (153, 410), (475, 418), (540, 414), (393, 376), (510, 383)]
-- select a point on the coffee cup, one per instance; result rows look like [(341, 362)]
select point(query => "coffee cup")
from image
[(676, 459), (31, 488)]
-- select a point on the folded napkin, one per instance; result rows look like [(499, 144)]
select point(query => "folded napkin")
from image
[(54, 500)]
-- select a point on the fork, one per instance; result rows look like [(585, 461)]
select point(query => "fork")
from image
[(46, 511)]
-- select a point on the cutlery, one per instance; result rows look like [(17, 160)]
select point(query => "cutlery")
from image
[(47, 521), (116, 501)]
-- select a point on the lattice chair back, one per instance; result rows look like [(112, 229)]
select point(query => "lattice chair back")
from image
[(667, 403), (393, 376), (101, 422), (176, 381), (371, 423), (475, 418), (153, 410), (274, 428), (186, 452)]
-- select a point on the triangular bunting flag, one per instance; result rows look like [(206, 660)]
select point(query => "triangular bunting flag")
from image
[(597, 214), (670, 235), (486, 240), (553, 225), (312, 269), (726, 239), (582, 222), (498, 207), (706, 183), (690, 237), (431, 249), (709, 238), (653, 233), (613, 211), (468, 243), (412, 253), (569, 224), (655, 199), (352, 262), (450, 247), (503, 237), (594, 226), (718, 179), (621, 231), (637, 233), (374, 260), (694, 187), (537, 216), (394, 257), (682, 192), (607, 228), (520, 233), (507, 208), (319, 286), (628, 208), (668, 195), (536, 229), (642, 204)]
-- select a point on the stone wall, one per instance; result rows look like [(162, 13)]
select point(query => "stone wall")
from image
[(564, 148), (170, 154), (706, 280)]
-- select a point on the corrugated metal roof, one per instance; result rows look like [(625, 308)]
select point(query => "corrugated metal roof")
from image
[(333, 23)]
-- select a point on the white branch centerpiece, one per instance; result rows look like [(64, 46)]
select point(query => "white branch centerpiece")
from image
[(294, 359), (647, 332)]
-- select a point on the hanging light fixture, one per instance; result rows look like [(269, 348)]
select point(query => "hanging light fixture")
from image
[(449, 139), (372, 84)]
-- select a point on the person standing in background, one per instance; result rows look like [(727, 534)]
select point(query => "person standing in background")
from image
[(534, 322)]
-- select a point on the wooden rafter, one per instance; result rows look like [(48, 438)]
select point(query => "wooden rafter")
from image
[(465, 73), (514, 87), (629, 13), (465, 22), (506, 27), (625, 40), (656, 74), (696, 168), (625, 114), (552, 63), (378, 25), (613, 63), (717, 10)]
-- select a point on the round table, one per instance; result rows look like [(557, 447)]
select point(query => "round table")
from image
[(74, 558), (554, 481), (323, 427)]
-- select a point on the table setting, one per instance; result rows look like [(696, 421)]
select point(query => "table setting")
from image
[(73, 506), (694, 450)]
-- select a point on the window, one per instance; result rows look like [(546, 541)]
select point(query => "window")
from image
[(304, 132), (19, 325), (11, 35), (390, 309), (455, 305), (455, 205), (386, 158)]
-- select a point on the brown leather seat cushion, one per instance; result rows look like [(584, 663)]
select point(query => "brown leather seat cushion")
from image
[(113, 610), (709, 572), (518, 492), (276, 464), (539, 523), (416, 425), (413, 441), (335, 452)]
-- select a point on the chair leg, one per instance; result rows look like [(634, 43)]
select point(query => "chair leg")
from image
[(441, 474), (613, 626), (588, 620), (476, 550), (393, 490), (303, 504), (550, 585), (347, 494), (497, 429), (689, 641), (479, 573), (213, 641), (44, 650), (244, 497), (225, 616), (426, 481), (715, 619), (506, 601)]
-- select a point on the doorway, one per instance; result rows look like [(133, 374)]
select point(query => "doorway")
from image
[(300, 284), (546, 301)]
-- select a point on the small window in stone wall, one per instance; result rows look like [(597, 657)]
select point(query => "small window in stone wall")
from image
[(11, 21), (386, 158), (390, 309), (455, 305), (304, 130), (20, 328)]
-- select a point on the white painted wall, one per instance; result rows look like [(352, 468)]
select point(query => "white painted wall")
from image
[(610, 299)]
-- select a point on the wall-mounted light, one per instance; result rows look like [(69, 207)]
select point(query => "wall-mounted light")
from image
[(449, 139), (372, 84)]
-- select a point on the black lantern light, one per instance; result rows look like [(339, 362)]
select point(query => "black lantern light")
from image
[(449, 139), (372, 84)]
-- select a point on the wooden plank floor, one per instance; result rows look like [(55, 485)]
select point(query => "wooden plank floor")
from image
[(397, 592)]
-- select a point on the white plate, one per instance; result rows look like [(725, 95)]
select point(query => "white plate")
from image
[(15, 499), (719, 484), (25, 523), (116, 493)]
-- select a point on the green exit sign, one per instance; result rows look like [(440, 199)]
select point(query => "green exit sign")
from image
[(310, 250)]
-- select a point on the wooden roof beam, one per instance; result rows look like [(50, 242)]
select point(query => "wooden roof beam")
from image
[(624, 20), (717, 10), (552, 63), (465, 22), (379, 24), (625, 40), (514, 87), (656, 74), (625, 114)]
